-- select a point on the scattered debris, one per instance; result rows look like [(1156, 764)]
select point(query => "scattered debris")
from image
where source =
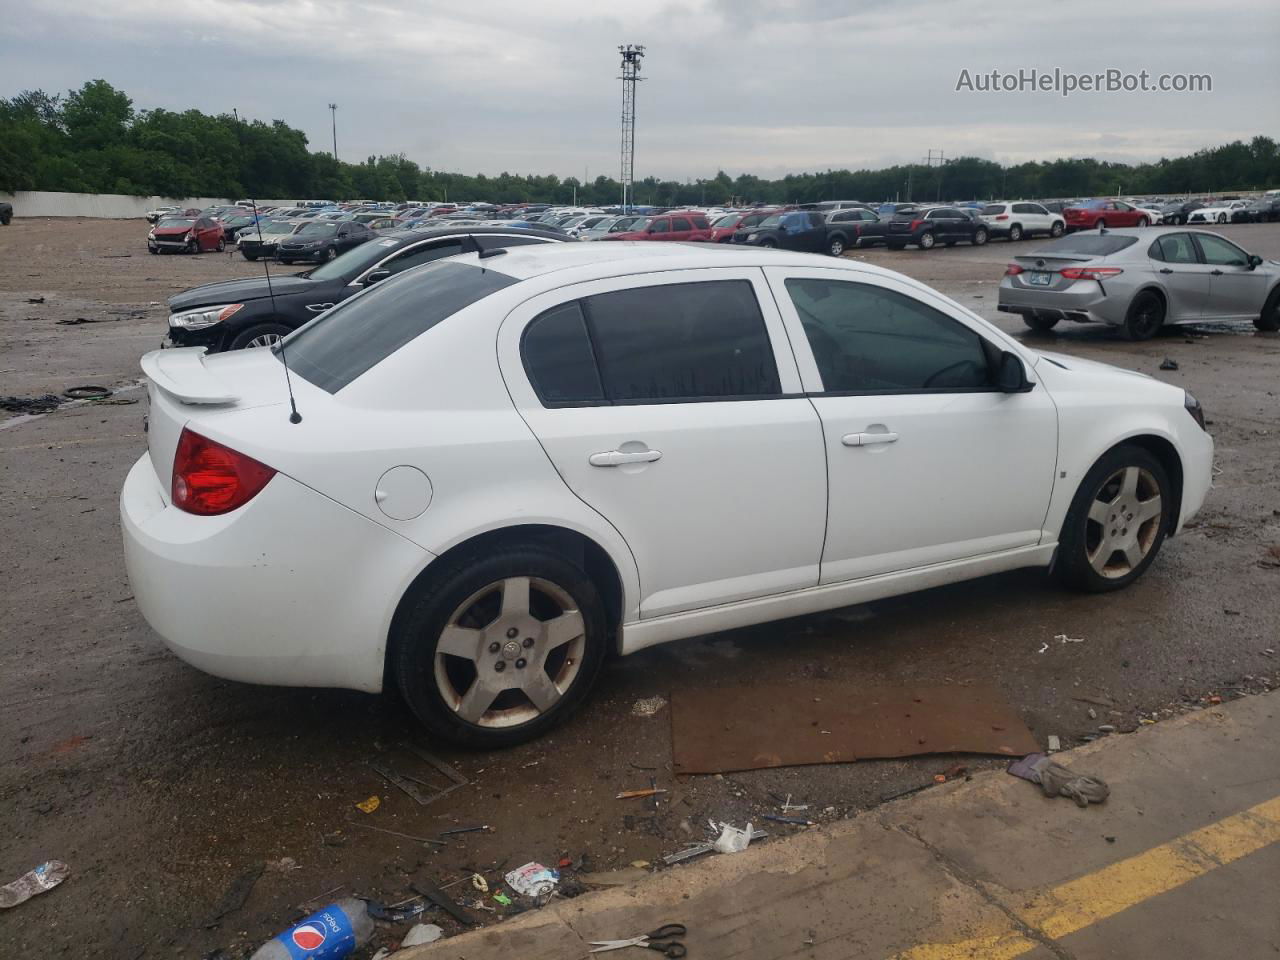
[(647, 707), (1106, 728), (46, 403), (732, 839), (1093, 714), (393, 833), (639, 864), (896, 794), (502, 898), (1055, 744), (665, 940), (35, 299), (1043, 647), (283, 865), (1109, 839), (80, 321), (1167, 364), (422, 933), (410, 784), (480, 883), (639, 794), (1056, 780), (788, 806), (795, 821), (443, 901), (87, 393), (533, 880), (397, 913), (1063, 638), (345, 923), (370, 805), (43, 878)]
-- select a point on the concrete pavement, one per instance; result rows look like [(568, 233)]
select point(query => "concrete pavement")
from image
[(1182, 860)]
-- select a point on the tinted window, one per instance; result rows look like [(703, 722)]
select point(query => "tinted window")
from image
[(1176, 248), (494, 242), (1036, 208), (680, 223), (682, 341), (423, 254), (701, 223), (1022, 208), (1088, 244), (337, 347), (993, 209), (1219, 252), (660, 226), (815, 220), (868, 339), (557, 357)]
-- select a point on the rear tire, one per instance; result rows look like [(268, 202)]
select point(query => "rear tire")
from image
[(467, 600), (1106, 543), (768, 244), (1040, 324), (1269, 319), (1145, 316), (1015, 233), (331, 253), (927, 241), (836, 247), (259, 335)]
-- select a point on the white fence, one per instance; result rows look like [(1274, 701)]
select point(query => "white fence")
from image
[(109, 206)]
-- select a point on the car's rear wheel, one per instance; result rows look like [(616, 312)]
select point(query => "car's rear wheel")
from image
[(331, 253), (1038, 323), (1145, 316), (259, 335), (1056, 230), (1015, 233), (1269, 319), (980, 237), (222, 244), (499, 648), (1117, 521), (766, 243), (927, 241), (1222, 218), (836, 247)]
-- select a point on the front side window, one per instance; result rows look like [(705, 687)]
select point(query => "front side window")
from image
[(866, 339), (675, 342), (1220, 252)]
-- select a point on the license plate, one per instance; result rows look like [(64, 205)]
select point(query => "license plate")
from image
[(1039, 278)]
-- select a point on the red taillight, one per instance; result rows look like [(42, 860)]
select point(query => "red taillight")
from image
[(917, 224), (1012, 270), (1002, 216), (209, 479), (1090, 273)]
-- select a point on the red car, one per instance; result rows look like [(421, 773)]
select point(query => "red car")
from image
[(1104, 213), (681, 225), (722, 229), (186, 235)]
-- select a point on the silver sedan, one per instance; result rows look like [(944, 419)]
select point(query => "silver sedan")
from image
[(1141, 279)]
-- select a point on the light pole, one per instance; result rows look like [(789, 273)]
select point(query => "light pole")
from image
[(333, 111)]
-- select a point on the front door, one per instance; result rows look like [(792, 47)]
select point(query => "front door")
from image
[(670, 403), (927, 462), (1234, 289)]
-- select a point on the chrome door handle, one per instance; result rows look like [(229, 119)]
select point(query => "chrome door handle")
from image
[(616, 458), (866, 439)]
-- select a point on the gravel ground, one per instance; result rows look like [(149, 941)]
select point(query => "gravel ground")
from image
[(161, 786)]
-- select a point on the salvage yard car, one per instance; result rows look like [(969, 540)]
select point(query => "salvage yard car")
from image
[(924, 227), (804, 230), (1093, 214), (250, 312), (1141, 280), (260, 240), (185, 235), (507, 466), (322, 241), (1021, 219)]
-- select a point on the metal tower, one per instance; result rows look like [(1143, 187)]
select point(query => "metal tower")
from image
[(631, 57)]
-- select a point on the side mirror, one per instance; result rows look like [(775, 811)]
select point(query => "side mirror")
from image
[(1011, 375), (374, 277), (1255, 261)]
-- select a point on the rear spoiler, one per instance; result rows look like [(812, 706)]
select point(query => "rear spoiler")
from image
[(181, 373)]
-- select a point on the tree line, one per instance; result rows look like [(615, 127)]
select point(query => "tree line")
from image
[(93, 140)]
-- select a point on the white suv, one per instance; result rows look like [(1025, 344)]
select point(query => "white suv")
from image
[(1022, 218), (505, 467)]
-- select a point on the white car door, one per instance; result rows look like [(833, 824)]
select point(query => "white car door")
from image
[(671, 404), (927, 461), (1038, 219)]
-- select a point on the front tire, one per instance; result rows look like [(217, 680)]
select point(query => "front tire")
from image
[(331, 254), (1117, 521), (767, 244), (193, 246), (1143, 222), (222, 244), (1056, 230), (1145, 316), (499, 647), (980, 237), (1269, 319), (1222, 218), (259, 335)]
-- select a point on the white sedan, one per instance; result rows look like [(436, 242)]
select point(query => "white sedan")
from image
[(506, 467), (1219, 212)]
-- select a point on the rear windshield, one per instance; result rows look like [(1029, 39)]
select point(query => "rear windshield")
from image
[(1087, 244), (340, 345), (992, 209)]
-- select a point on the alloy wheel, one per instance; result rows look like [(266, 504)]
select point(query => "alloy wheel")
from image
[(510, 652), (1124, 520), (264, 340)]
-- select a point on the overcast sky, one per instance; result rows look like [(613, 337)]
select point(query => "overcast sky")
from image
[(757, 86)]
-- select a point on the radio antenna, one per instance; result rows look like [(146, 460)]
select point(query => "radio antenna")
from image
[(294, 416)]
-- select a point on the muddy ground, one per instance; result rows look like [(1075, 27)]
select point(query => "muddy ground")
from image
[(161, 786)]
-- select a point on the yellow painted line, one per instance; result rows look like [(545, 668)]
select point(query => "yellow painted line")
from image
[(1079, 903)]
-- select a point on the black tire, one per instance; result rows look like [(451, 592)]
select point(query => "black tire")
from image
[(1056, 230), (1038, 323), (428, 609), (1178, 219), (1269, 319), (1144, 222), (331, 253), (1145, 316), (835, 246), (152, 250), (1015, 233), (5, 218), (289, 262), (980, 237), (927, 240), (1101, 224), (222, 244), (245, 337), (248, 256), (768, 244), (1080, 534), (1222, 218), (193, 246)]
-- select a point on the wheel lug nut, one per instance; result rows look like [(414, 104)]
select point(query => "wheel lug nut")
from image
[(511, 633), (500, 665), (520, 663), (494, 647), (528, 642)]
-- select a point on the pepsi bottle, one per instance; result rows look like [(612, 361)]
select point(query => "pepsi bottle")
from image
[(330, 933)]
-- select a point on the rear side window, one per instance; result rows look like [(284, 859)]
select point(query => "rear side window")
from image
[(1176, 248), (680, 223), (340, 345), (701, 223), (662, 344), (866, 339)]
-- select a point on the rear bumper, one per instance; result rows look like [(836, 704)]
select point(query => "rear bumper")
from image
[(291, 589), (1087, 305)]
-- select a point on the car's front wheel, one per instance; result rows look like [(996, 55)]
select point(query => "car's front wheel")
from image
[(193, 246), (1222, 218), (499, 648), (1056, 230), (1143, 221), (1117, 521), (979, 237), (1145, 316), (259, 335), (1269, 319), (222, 244), (331, 253)]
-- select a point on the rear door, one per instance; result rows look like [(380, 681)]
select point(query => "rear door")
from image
[(681, 229), (671, 404), (1182, 274)]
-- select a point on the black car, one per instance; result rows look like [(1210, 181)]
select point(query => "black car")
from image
[(6, 213), (323, 240), (1260, 210), (247, 313), (233, 224), (924, 227), (1177, 212)]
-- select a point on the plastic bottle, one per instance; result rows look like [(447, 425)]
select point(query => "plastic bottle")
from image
[(330, 933)]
